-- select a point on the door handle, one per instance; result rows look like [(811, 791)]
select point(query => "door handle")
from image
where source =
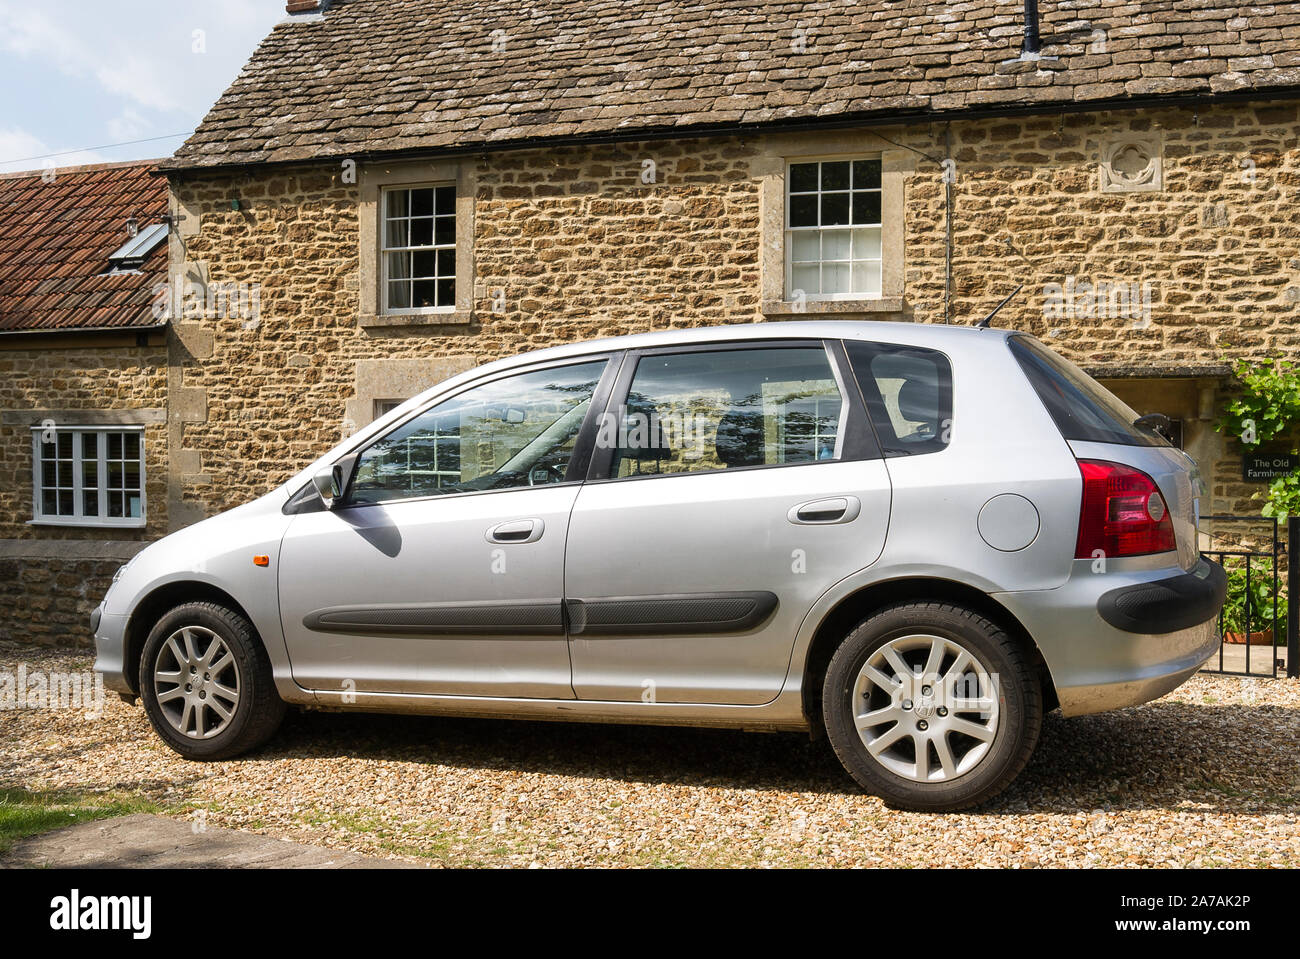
[(516, 531), (824, 512)]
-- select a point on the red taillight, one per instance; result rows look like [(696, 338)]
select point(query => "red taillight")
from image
[(1123, 513)]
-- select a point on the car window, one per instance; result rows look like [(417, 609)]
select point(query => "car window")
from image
[(512, 432), (1082, 408), (727, 409), (908, 392)]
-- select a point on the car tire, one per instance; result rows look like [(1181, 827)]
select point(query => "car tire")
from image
[(976, 720), (206, 683)]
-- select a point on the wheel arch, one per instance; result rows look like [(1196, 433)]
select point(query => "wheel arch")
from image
[(861, 603), (155, 604)]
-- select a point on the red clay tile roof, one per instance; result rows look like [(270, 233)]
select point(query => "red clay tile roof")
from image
[(55, 240), (372, 76)]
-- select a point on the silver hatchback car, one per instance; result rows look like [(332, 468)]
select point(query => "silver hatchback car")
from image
[(914, 538)]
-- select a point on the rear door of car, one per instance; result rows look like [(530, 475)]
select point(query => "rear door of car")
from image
[(731, 485)]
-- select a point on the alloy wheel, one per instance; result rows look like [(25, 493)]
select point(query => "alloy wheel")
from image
[(196, 682), (926, 708)]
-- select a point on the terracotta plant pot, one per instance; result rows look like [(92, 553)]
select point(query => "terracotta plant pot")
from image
[(1262, 638)]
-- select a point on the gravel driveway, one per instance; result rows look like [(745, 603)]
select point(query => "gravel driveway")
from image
[(1208, 776)]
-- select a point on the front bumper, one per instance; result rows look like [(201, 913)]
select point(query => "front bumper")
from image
[(1096, 665), (110, 651)]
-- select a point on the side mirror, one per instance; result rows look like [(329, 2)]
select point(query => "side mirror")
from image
[(328, 481)]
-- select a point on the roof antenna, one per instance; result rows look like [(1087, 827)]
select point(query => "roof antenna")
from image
[(988, 320), (985, 323)]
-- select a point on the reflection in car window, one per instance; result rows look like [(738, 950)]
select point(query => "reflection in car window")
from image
[(908, 392), (516, 431), (727, 409)]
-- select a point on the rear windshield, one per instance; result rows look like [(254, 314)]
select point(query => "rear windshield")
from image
[(1082, 408)]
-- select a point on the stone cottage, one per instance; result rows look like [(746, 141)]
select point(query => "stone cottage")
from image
[(83, 387), (406, 188)]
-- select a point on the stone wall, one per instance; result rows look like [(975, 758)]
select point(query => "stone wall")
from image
[(52, 577), (49, 589), (573, 245), (80, 381), (1218, 241), (1200, 251)]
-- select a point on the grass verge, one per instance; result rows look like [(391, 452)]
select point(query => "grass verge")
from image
[(25, 812)]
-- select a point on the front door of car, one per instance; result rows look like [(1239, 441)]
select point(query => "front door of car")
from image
[(731, 486), (441, 568)]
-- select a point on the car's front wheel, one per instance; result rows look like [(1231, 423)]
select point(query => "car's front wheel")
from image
[(206, 683), (931, 706)]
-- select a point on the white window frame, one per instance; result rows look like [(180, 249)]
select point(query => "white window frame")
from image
[(435, 248), (78, 518), (821, 231)]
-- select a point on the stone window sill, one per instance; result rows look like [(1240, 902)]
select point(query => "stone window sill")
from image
[(451, 318), (89, 523), (820, 308)]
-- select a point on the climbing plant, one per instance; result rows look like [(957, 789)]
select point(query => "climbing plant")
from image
[(1265, 405)]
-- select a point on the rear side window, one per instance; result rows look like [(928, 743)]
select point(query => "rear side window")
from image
[(908, 392), (1082, 408)]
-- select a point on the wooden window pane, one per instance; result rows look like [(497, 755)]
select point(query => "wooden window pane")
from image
[(835, 176), (424, 293), (803, 177), (444, 232), (422, 232), (422, 202), (866, 174), (803, 210), (866, 208), (835, 209)]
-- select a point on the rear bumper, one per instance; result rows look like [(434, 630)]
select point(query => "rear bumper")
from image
[(1097, 665), (1167, 605), (1143, 683)]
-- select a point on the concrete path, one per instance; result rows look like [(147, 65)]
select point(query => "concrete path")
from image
[(156, 842), (1234, 659)]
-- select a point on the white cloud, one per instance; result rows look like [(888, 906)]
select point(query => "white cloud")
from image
[(19, 150), (33, 34), (127, 125), (141, 51)]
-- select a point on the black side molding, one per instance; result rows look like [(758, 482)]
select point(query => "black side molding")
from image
[(606, 616), (1167, 605), (669, 615), (435, 620)]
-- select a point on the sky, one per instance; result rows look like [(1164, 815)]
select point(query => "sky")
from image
[(79, 76)]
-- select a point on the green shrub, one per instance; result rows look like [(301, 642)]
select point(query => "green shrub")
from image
[(1258, 600)]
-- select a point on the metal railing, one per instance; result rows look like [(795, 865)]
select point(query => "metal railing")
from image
[(1256, 601)]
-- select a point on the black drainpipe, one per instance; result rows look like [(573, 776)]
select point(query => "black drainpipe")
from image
[(1032, 43), (947, 226)]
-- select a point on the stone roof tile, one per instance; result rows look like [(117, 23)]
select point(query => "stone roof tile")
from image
[(470, 74)]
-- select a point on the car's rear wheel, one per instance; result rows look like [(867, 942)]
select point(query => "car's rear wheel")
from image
[(932, 706), (206, 683)]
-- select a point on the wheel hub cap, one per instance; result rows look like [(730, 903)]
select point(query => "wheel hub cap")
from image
[(196, 682), (926, 708)]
